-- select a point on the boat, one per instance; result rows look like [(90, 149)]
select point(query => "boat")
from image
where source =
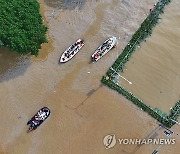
[(38, 118), (104, 48), (70, 52)]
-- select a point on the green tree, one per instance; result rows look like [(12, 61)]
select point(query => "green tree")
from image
[(21, 25)]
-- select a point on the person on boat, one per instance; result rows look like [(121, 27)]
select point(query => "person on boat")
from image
[(110, 42), (34, 126), (35, 122), (36, 117), (67, 55), (96, 56), (79, 43), (45, 109), (73, 46), (31, 128), (102, 47), (98, 53), (41, 115)]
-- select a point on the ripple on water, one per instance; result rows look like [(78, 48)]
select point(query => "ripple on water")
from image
[(66, 4)]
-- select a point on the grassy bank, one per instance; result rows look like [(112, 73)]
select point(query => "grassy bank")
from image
[(21, 25), (140, 35)]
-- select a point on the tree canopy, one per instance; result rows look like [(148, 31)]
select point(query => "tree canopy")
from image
[(21, 27)]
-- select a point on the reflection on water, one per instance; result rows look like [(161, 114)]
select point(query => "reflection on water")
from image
[(8, 59), (12, 64), (65, 4)]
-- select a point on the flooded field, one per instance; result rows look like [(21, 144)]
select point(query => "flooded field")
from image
[(82, 110), (154, 68)]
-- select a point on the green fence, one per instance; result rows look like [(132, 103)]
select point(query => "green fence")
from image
[(140, 35), (162, 118)]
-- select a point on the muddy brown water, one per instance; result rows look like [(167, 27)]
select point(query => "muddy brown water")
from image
[(83, 110)]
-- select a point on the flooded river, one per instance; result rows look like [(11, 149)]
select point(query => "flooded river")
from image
[(83, 110)]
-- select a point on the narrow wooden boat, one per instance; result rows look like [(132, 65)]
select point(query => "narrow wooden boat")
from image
[(70, 52), (104, 48), (38, 119)]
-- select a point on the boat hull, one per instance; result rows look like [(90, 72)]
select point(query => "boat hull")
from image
[(70, 52), (104, 48), (38, 118)]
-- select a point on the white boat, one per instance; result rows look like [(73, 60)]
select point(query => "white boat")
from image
[(70, 52), (104, 48)]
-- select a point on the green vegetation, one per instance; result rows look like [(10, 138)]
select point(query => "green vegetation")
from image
[(174, 113), (161, 117), (1, 44), (140, 35), (21, 26)]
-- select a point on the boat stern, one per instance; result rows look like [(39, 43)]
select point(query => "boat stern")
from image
[(63, 59)]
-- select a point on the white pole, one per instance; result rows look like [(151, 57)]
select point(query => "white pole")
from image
[(122, 76), (175, 122), (173, 119)]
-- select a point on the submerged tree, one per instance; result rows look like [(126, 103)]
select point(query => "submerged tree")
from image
[(21, 27)]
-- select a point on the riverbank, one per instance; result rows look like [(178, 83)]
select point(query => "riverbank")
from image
[(83, 111)]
